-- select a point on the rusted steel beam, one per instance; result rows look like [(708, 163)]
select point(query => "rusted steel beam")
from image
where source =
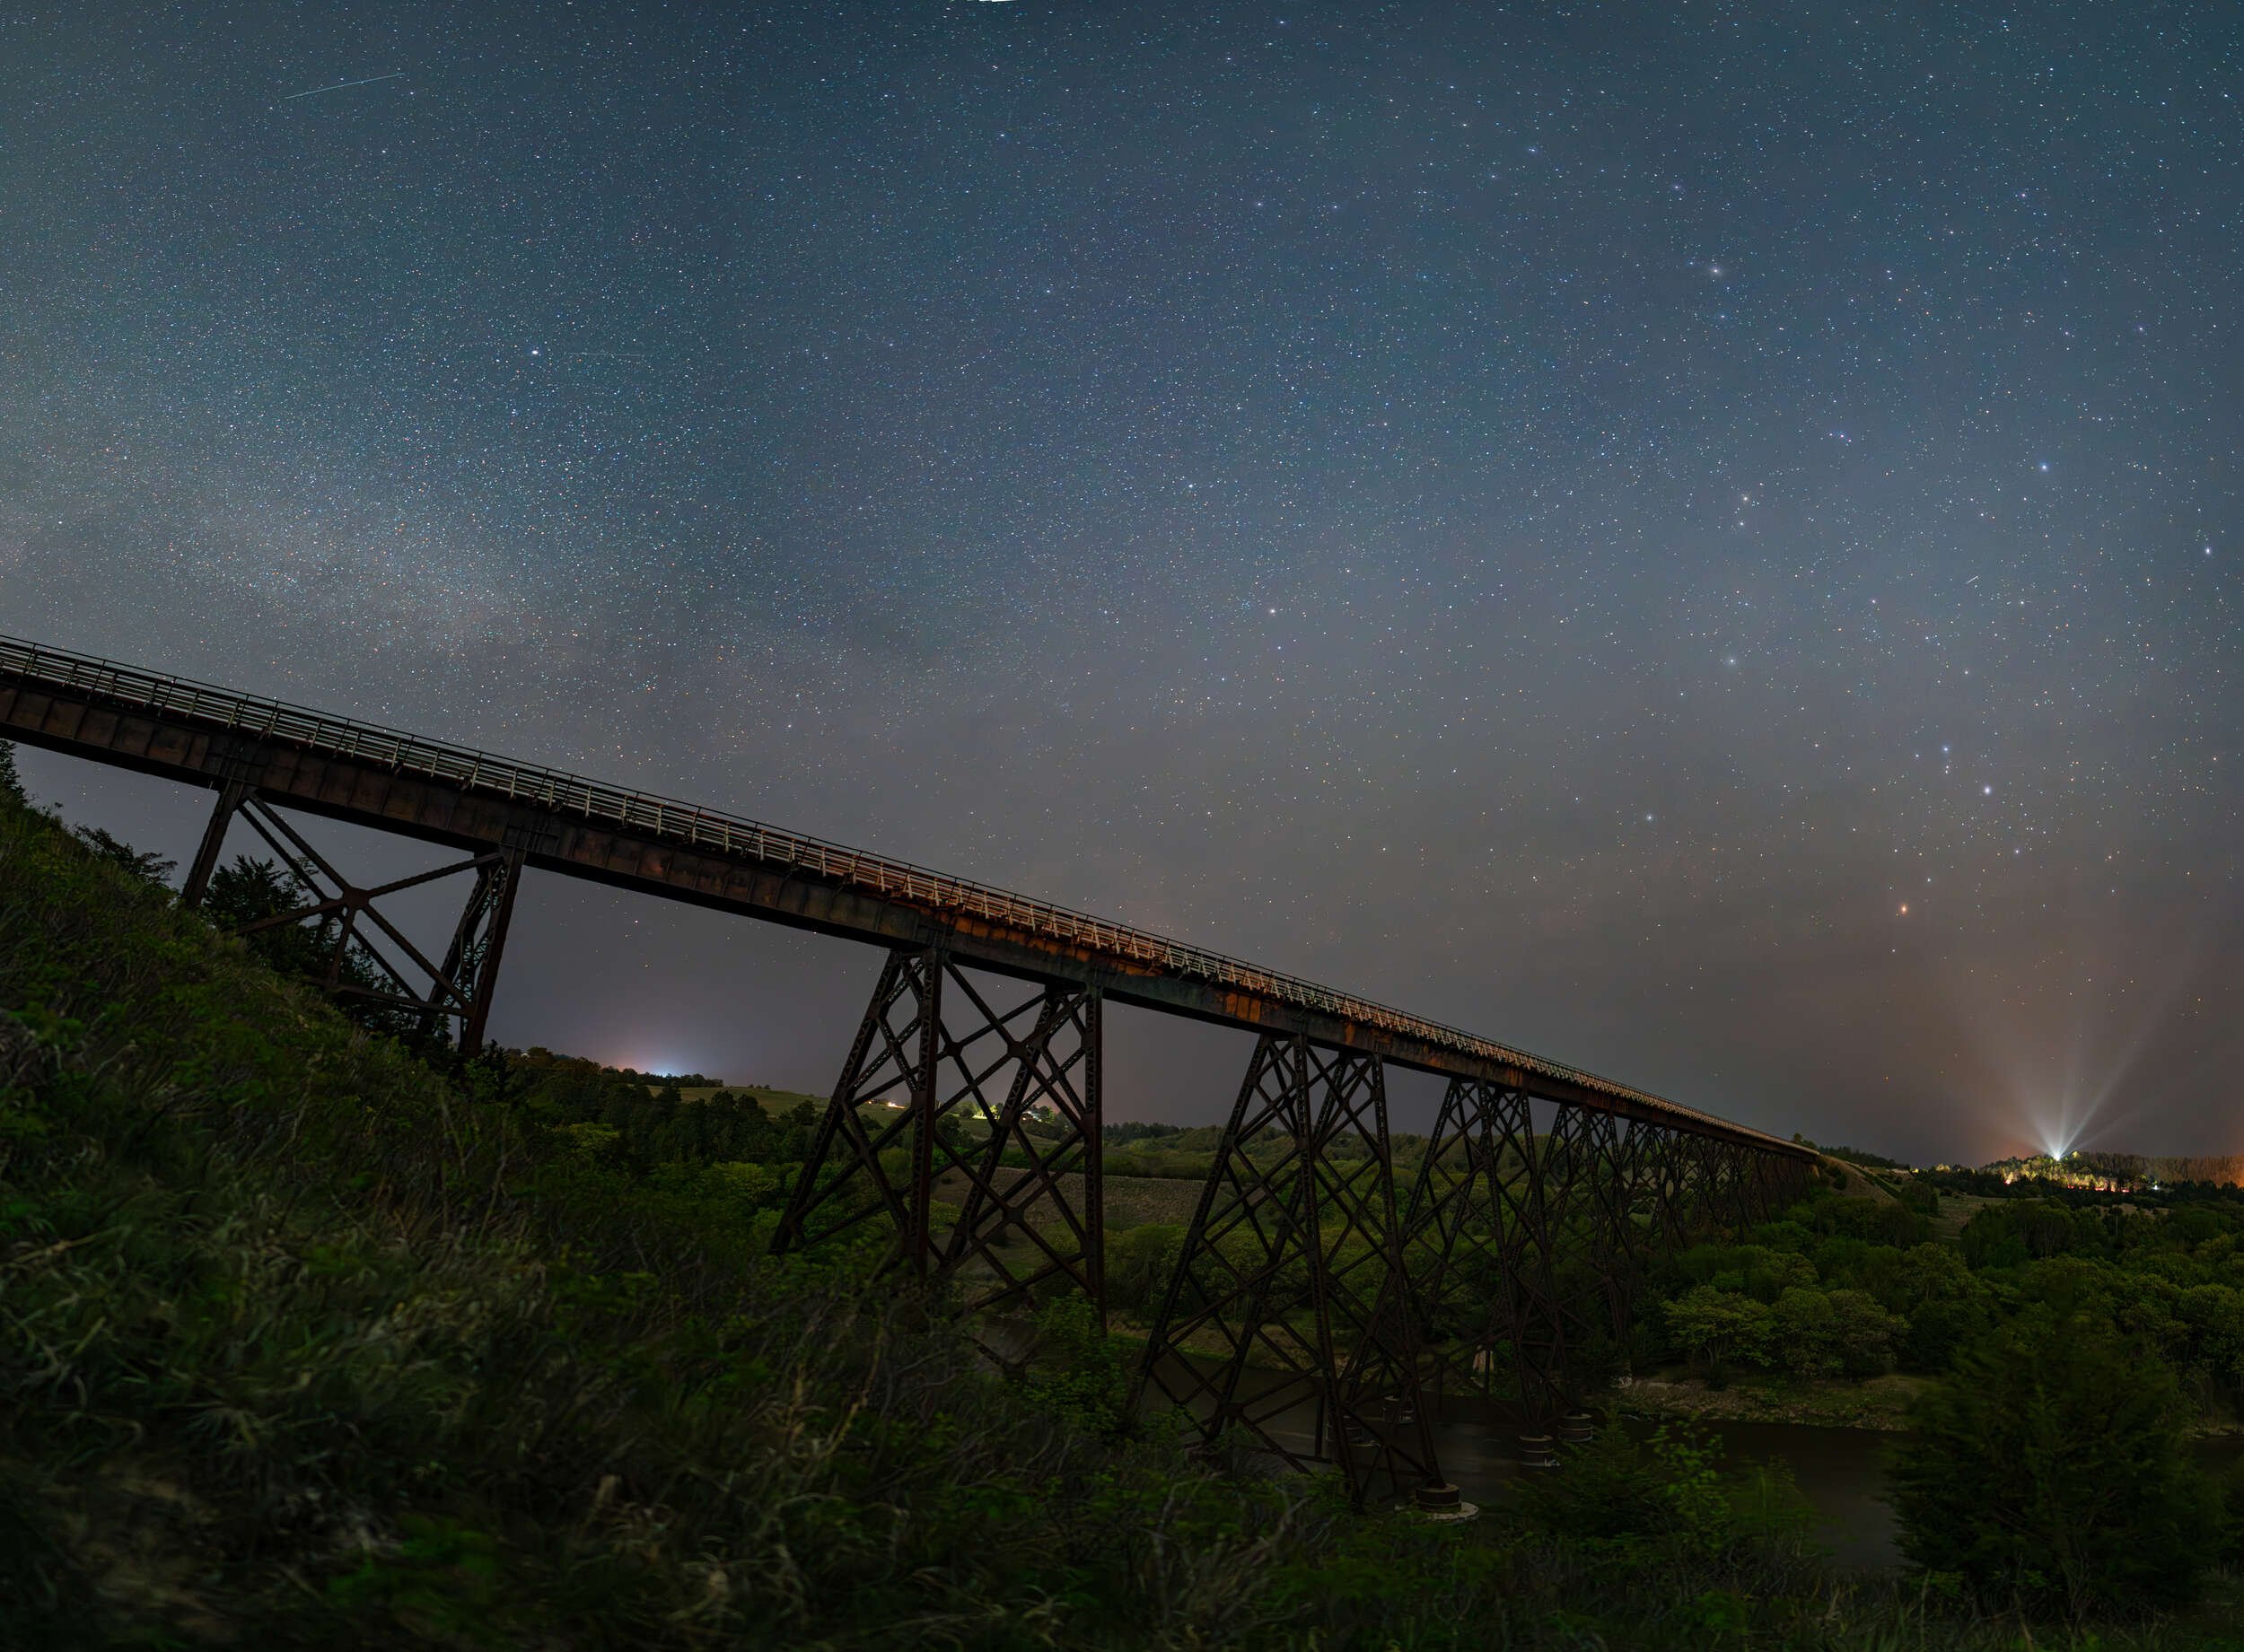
[(930, 1059), (1289, 1302), (232, 794), (486, 941), (458, 990), (347, 771)]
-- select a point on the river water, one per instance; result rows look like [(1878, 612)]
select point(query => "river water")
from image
[(1840, 1472)]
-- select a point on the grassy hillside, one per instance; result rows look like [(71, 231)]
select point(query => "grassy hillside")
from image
[(303, 1343)]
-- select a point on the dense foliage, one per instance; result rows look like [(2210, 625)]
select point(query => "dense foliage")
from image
[(1854, 1286), (303, 1342), (2052, 1471)]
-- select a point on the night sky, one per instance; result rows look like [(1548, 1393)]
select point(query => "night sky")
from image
[(1704, 541)]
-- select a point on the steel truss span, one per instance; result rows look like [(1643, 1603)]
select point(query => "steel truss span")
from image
[(1326, 1300)]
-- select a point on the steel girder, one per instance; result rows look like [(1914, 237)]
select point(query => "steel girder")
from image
[(1617, 1169), (1004, 1210), (392, 781), (458, 988), (1539, 1241), (1488, 1221), (1295, 1256)]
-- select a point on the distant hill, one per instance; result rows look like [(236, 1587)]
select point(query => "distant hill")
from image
[(2124, 1171)]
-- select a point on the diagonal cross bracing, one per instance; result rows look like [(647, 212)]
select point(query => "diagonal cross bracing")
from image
[(309, 761), (966, 1134), (1286, 1319), (1524, 1246), (964, 1131)]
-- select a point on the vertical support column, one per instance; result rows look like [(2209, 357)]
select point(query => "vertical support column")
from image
[(1703, 1154), (231, 798), (1738, 1164), (1614, 1151), (1384, 1424), (1293, 1266), (1220, 1290), (843, 1181), (1450, 1230), (918, 1248), (1026, 1205), (1094, 1132), (927, 1105), (498, 898), (1533, 1197), (1671, 1185)]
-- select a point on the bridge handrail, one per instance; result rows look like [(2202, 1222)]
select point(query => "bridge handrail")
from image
[(666, 817)]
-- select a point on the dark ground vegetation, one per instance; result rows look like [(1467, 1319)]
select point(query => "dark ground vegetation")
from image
[(307, 1339)]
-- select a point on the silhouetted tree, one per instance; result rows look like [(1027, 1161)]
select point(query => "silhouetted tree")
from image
[(251, 890), (145, 865), (2050, 1470)]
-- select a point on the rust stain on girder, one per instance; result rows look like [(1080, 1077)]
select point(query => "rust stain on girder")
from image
[(359, 773)]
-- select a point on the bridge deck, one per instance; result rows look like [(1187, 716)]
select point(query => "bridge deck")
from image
[(354, 772)]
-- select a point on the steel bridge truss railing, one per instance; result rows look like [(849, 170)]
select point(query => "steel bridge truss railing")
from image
[(709, 829), (1314, 1312)]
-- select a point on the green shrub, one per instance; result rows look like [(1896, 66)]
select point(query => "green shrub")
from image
[(2049, 1472), (1669, 1490), (1139, 1262), (1717, 1326), (1832, 1334)]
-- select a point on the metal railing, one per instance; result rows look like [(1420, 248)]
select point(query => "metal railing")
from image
[(682, 822)]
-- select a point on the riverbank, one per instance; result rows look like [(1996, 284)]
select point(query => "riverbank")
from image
[(1881, 1404)]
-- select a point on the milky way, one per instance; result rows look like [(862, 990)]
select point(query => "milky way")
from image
[(1703, 541)]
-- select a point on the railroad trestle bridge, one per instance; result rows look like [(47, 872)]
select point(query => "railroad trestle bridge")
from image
[(1328, 1297)]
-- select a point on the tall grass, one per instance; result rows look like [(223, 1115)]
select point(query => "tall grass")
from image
[(303, 1343)]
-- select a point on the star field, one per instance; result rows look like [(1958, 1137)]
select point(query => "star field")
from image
[(1704, 541)]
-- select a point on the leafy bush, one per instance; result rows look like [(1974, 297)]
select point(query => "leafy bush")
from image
[(2050, 1472), (1139, 1262), (1078, 1372), (1719, 1325), (1833, 1333), (1669, 1490)]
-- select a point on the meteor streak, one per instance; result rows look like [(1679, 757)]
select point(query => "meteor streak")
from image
[(341, 84)]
